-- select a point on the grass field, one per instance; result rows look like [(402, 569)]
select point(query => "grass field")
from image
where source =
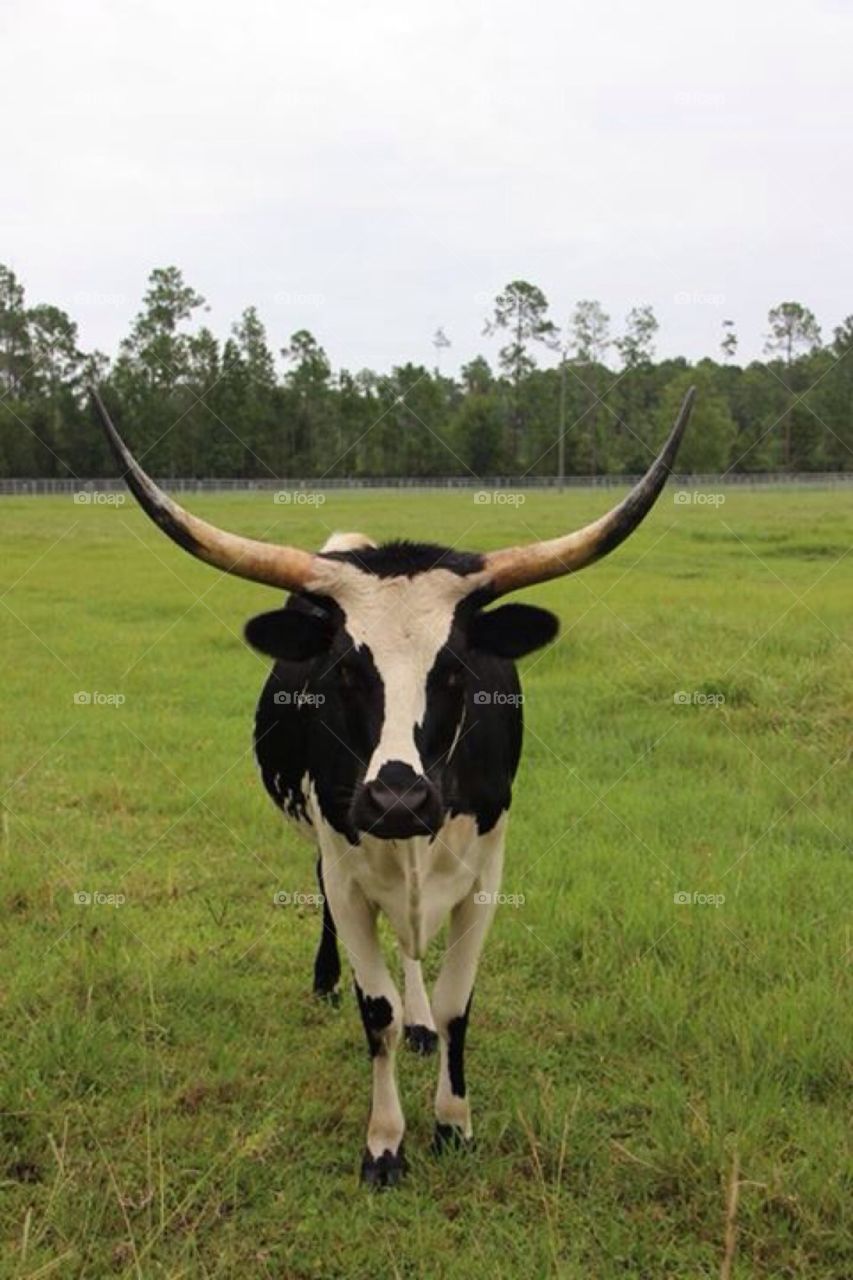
[(174, 1103)]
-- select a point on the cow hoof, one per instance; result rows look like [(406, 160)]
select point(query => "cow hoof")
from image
[(421, 1040), (382, 1172), (331, 997), (449, 1137)]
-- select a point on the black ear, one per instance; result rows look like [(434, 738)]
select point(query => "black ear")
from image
[(512, 631), (289, 634)]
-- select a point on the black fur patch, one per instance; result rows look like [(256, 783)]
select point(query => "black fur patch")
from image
[(327, 964), (376, 1015), (456, 1029), (421, 1040), (406, 559)]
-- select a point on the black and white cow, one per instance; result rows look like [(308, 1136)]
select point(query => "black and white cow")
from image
[(390, 730)]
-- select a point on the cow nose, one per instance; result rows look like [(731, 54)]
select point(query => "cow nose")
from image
[(396, 809), (379, 797)]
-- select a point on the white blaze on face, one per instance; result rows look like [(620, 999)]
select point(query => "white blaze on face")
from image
[(403, 669), (404, 622)]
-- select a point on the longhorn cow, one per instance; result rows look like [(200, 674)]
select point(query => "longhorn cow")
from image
[(390, 731)]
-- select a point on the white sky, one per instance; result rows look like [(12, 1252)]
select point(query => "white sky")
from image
[(371, 169)]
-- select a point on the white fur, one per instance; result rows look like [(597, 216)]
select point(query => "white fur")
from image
[(415, 883)]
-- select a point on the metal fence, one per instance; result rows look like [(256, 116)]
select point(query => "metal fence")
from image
[(328, 484)]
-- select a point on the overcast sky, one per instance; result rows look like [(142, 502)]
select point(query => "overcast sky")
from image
[(370, 170)]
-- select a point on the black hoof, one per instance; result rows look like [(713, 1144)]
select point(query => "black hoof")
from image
[(387, 1170), (449, 1137), (421, 1040), (331, 997)]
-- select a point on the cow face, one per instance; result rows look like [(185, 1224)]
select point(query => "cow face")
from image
[(389, 668)]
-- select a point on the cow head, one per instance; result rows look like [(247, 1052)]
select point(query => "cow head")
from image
[(394, 639), (392, 657)]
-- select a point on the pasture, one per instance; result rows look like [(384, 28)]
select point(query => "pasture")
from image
[(175, 1103)]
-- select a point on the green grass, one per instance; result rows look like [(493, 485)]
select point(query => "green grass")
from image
[(173, 1101)]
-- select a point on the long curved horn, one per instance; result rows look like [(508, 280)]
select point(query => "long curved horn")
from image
[(515, 567), (286, 567)]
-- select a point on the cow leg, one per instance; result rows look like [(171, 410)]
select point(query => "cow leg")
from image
[(420, 1032), (327, 963), (451, 1003), (384, 1163)]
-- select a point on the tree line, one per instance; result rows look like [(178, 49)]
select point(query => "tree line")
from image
[(195, 406)]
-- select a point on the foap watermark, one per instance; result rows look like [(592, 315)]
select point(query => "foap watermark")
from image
[(284, 698), (694, 498), (98, 498), (499, 498), (92, 698), (83, 898), (698, 698), (698, 298), (281, 898), (696, 899), (299, 298), (298, 498), (484, 698), (484, 899), (700, 98), (92, 298)]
